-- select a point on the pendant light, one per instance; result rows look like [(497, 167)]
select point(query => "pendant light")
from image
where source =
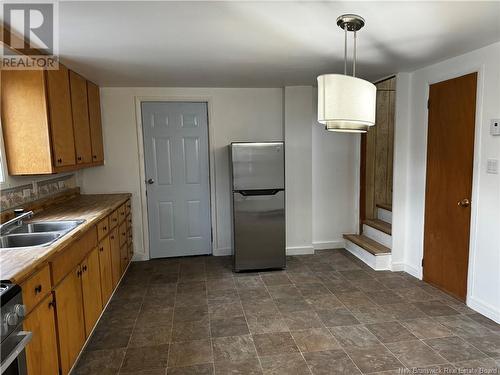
[(346, 103)]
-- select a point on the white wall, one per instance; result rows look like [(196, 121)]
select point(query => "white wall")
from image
[(484, 264), (234, 115), (335, 184), (298, 154)]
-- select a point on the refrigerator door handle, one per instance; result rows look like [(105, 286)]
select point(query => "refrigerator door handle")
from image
[(249, 193)]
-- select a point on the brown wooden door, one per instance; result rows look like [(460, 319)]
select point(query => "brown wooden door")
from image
[(450, 152), (106, 270), (91, 288), (95, 122), (41, 352), (61, 118), (116, 266), (81, 126), (70, 320)]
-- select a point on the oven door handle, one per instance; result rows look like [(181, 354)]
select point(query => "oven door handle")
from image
[(15, 352)]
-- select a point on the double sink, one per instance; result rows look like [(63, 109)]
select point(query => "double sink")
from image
[(39, 233)]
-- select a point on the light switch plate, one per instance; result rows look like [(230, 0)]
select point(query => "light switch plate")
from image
[(492, 166), (495, 126)]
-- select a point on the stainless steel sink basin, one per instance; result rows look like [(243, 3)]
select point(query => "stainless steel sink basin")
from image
[(27, 240), (47, 226)]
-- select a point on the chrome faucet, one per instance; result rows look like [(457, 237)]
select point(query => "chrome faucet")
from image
[(16, 221)]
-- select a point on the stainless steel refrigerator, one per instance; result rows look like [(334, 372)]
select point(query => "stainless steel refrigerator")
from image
[(258, 203)]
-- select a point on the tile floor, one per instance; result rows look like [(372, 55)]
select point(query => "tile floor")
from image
[(327, 313)]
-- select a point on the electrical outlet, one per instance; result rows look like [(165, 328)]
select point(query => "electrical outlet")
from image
[(495, 127), (492, 166)]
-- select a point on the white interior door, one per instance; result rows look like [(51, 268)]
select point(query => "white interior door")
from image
[(177, 178)]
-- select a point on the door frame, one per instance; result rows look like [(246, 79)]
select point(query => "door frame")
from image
[(142, 166), (476, 166)]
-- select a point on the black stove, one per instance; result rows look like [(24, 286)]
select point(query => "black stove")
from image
[(13, 338)]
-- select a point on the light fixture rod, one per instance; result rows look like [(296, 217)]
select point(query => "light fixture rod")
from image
[(354, 56), (345, 49)]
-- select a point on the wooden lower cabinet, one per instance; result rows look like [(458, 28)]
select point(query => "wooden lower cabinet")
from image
[(70, 318), (124, 257), (91, 290), (116, 265), (106, 269), (41, 352)]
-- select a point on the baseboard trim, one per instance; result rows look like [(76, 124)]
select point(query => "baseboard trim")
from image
[(484, 308), (397, 266), (415, 272), (325, 245), (299, 250), (223, 251)]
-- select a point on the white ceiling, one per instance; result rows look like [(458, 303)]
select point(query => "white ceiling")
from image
[(261, 44)]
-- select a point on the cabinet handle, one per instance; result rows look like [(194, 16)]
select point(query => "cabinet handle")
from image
[(52, 304), (59, 160), (94, 156), (115, 219), (84, 268), (78, 273), (112, 237), (105, 228), (101, 249), (38, 289), (79, 158)]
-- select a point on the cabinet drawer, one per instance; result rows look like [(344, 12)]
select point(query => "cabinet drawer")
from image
[(73, 255), (128, 207), (102, 229), (121, 213), (122, 233), (113, 219), (36, 288)]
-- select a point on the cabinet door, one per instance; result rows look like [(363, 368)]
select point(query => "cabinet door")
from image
[(91, 287), (61, 118), (106, 271), (95, 122), (124, 257), (114, 241), (41, 352), (81, 126), (70, 321)]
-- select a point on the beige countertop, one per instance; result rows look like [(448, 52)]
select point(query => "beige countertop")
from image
[(16, 264)]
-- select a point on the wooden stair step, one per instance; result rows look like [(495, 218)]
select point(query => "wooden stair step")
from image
[(385, 206), (373, 247), (380, 225)]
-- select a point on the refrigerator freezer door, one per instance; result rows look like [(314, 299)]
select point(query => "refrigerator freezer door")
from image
[(259, 231), (258, 165)]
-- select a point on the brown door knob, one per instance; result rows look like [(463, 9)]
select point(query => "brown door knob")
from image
[(464, 203)]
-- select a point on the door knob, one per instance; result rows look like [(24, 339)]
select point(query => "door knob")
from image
[(464, 203), (151, 181)]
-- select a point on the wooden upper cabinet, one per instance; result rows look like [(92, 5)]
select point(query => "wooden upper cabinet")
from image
[(81, 125), (61, 118), (95, 122), (51, 122), (25, 122)]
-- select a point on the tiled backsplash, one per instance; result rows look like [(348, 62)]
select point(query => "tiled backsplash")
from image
[(22, 194)]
